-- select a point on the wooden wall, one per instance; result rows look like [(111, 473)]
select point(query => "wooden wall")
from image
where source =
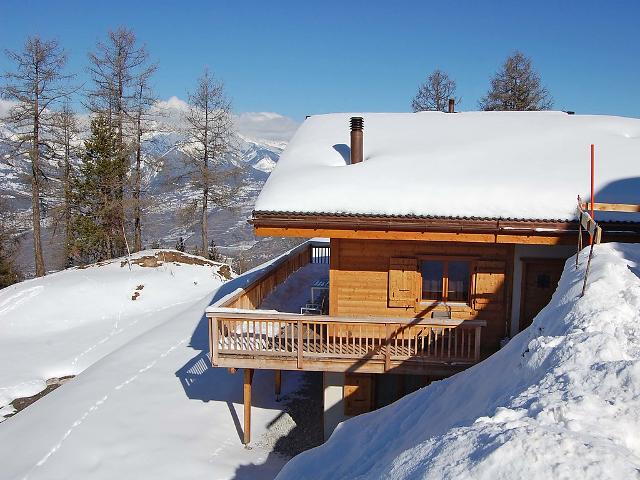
[(359, 281)]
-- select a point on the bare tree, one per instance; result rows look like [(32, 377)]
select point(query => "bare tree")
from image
[(435, 92), (210, 140), (66, 138), (9, 242), (144, 115), (120, 70), (36, 85), (516, 87)]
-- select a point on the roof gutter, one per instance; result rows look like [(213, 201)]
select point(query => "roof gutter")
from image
[(427, 224)]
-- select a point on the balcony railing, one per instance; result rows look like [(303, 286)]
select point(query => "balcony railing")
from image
[(316, 342), (241, 336)]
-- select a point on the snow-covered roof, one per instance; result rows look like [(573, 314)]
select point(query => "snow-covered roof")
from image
[(499, 165)]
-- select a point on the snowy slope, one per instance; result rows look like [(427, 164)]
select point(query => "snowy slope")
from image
[(60, 324), (474, 164), (561, 400), (146, 403)]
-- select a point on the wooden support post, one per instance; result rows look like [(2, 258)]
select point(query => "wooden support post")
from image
[(299, 342), (586, 273), (213, 327), (278, 384), (579, 240), (476, 352), (387, 348), (248, 377)]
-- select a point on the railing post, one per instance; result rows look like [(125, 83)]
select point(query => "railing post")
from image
[(299, 327), (213, 326), (476, 353), (387, 350)]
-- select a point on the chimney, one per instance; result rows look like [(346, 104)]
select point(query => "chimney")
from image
[(356, 139), (452, 105)]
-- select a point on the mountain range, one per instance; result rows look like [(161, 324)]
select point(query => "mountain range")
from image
[(167, 191)]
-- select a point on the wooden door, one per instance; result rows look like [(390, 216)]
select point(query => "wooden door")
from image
[(358, 393), (539, 280)]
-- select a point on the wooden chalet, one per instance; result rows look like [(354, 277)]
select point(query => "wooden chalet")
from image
[(411, 297)]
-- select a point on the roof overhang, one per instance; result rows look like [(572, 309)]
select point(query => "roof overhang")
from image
[(381, 227)]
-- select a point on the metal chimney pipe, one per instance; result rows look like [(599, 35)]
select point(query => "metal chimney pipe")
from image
[(452, 105), (357, 124)]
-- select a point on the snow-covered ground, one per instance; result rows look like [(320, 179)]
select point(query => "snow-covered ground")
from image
[(561, 400), (145, 403)]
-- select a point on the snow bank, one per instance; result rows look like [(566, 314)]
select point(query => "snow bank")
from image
[(482, 164), (561, 400)]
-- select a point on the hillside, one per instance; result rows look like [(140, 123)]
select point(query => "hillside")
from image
[(561, 400), (144, 403), (61, 324)]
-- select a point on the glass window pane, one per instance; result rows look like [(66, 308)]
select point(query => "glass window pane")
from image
[(459, 274), (432, 272)]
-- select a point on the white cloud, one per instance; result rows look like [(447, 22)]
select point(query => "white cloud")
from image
[(173, 103), (258, 125), (270, 126), (5, 106), (266, 125)]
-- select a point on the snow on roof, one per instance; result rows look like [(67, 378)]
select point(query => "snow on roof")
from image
[(528, 165)]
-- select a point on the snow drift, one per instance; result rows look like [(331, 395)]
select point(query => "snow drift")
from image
[(561, 400)]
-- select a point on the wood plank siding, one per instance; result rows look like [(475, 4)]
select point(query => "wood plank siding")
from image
[(363, 273)]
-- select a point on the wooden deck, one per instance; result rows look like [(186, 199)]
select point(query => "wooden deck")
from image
[(315, 342), (242, 336)]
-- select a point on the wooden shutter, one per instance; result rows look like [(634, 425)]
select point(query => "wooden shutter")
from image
[(358, 393), (403, 282), (488, 284)]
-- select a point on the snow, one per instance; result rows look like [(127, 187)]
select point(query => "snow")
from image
[(145, 403), (295, 291), (265, 164), (477, 164), (60, 324), (561, 400)]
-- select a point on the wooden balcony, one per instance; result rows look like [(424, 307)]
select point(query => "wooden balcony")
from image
[(243, 336), (288, 341)]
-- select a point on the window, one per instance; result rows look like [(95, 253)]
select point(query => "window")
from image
[(445, 280), (432, 276)]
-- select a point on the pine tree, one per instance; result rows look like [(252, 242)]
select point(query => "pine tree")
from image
[(8, 248), (213, 253), (98, 226), (180, 246), (120, 71), (516, 87), (435, 92)]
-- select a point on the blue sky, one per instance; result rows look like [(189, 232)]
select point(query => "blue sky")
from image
[(300, 58)]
